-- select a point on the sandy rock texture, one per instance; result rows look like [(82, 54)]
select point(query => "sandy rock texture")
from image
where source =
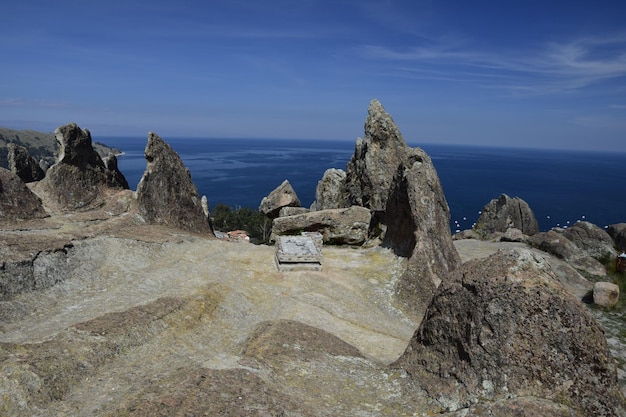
[(147, 316), (149, 320)]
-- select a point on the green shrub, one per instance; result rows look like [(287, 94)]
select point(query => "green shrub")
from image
[(258, 226)]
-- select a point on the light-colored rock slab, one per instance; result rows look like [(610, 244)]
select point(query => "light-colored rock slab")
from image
[(298, 252)]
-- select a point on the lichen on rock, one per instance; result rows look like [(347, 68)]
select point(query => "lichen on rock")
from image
[(503, 327)]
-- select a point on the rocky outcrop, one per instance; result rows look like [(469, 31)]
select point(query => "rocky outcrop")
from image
[(17, 201), (347, 226), (513, 235), (401, 186), (330, 190), (418, 227), (282, 196), (377, 155), (591, 239), (503, 213), (618, 234), (114, 175), (23, 165), (557, 244), (166, 194), (79, 180), (503, 328)]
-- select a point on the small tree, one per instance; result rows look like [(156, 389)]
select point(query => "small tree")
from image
[(257, 225)]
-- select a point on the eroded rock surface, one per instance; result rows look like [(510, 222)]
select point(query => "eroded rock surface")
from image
[(503, 327), (503, 213), (348, 226), (114, 175), (560, 246), (330, 190), (79, 180), (377, 155), (166, 194), (22, 164), (418, 218), (282, 196), (17, 201), (591, 239)]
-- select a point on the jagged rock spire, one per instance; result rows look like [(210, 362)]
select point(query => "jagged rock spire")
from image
[(166, 194)]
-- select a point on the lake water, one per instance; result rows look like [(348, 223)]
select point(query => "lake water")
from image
[(561, 187)]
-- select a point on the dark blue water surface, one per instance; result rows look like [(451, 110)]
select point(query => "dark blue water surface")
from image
[(561, 187)]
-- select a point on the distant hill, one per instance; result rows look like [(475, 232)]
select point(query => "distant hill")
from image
[(40, 145)]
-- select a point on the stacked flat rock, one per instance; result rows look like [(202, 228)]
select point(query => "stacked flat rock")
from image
[(347, 226)]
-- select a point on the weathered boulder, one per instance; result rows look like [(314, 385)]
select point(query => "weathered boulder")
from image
[(79, 179), (512, 235), (166, 194), (282, 196), (591, 239), (605, 294), (502, 328), (560, 246), (17, 201), (466, 234), (503, 213), (23, 165), (337, 226), (377, 155), (418, 227), (618, 234), (330, 190)]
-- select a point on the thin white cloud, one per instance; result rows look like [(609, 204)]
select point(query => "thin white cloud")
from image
[(21, 102), (553, 68)]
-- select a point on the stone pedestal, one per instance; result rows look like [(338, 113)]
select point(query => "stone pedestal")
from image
[(298, 253)]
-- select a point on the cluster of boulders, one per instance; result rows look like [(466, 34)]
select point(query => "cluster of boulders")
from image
[(502, 329), (584, 246), (390, 194), (82, 180), (496, 334)]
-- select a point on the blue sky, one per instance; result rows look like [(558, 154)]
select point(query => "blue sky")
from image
[(527, 73)]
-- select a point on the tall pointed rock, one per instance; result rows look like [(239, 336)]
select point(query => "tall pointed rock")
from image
[(166, 194), (400, 184), (375, 161), (79, 180)]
